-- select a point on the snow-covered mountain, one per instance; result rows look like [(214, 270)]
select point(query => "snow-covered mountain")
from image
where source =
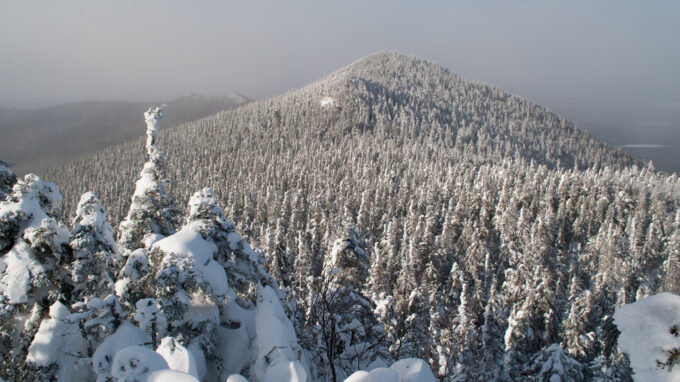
[(44, 138), (407, 212)]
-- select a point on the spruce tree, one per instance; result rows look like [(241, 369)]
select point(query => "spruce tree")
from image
[(152, 213)]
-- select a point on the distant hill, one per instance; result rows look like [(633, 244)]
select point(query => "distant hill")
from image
[(493, 238), (38, 139)]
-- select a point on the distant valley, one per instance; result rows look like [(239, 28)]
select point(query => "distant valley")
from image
[(43, 138)]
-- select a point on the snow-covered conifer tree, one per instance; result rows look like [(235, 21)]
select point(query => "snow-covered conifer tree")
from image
[(58, 350), (95, 252), (152, 211), (345, 334), (7, 180), (33, 249), (553, 364)]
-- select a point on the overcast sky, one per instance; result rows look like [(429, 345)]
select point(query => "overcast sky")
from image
[(599, 62)]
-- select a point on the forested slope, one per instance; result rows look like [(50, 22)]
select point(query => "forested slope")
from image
[(480, 228)]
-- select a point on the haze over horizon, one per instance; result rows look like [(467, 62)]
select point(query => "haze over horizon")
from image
[(609, 67)]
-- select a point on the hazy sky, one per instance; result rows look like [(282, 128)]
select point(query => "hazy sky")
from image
[(600, 62)]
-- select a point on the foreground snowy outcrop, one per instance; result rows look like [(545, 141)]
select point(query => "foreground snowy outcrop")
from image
[(650, 335)]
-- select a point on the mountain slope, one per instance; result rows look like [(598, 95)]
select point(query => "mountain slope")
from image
[(42, 138), (497, 237)]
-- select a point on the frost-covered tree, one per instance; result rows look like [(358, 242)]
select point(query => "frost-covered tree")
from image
[(152, 211), (7, 180), (34, 254), (96, 257), (339, 324), (58, 350), (553, 363)]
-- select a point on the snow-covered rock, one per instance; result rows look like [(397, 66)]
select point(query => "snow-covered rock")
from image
[(649, 335)]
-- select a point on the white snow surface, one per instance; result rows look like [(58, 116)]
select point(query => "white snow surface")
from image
[(170, 376), (201, 367), (126, 335), (236, 378), (147, 180), (404, 370), (190, 251), (59, 341), (177, 356), (381, 374), (234, 347), (135, 363), (278, 353), (327, 101), (287, 371), (645, 335), (413, 370), (19, 266)]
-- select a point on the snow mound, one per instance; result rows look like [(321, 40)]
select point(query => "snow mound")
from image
[(126, 335), (288, 371), (236, 378), (413, 370), (649, 332), (177, 356), (381, 374), (135, 363), (405, 370), (170, 376), (277, 347)]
